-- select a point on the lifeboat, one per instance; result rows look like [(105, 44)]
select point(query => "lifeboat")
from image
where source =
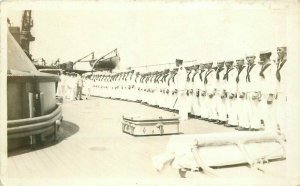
[(109, 63), (33, 114)]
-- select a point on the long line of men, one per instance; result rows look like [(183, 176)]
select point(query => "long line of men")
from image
[(247, 94)]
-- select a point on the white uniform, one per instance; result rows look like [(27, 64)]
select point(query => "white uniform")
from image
[(202, 96), (220, 103), (281, 101), (241, 90), (231, 89), (210, 87), (181, 86), (251, 107), (189, 87), (267, 87), (196, 95)]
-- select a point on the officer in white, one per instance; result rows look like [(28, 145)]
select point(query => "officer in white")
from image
[(281, 96), (181, 86)]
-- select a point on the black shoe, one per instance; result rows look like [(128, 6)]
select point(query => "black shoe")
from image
[(223, 123), (217, 122), (242, 129), (212, 120)]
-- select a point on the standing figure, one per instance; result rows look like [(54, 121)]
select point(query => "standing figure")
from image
[(202, 93), (281, 96), (219, 100), (196, 87), (241, 72), (210, 91), (230, 93), (79, 84), (268, 91), (181, 86), (251, 106)]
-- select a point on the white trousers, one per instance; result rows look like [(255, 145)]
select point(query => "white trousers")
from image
[(211, 106), (203, 106), (250, 117), (240, 111), (196, 109), (220, 107), (281, 106), (183, 111), (231, 108), (268, 114)]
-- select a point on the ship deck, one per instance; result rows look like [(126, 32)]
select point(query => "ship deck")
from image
[(92, 146)]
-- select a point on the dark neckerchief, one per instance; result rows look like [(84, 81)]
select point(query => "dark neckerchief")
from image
[(188, 76), (207, 73), (200, 74), (239, 72), (131, 76), (193, 78), (226, 75), (173, 78), (218, 72), (249, 68), (263, 68), (279, 67), (165, 77), (136, 77)]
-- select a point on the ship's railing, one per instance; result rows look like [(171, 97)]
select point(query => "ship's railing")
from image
[(49, 123)]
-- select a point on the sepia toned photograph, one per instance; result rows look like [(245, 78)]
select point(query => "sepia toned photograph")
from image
[(149, 93)]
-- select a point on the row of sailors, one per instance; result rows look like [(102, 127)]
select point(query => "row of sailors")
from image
[(245, 94), (69, 86)]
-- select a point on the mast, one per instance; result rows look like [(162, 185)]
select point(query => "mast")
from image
[(25, 35)]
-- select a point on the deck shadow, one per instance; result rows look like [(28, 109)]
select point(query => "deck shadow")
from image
[(67, 129)]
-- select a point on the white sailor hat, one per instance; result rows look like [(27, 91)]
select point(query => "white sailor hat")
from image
[(229, 61), (264, 52), (240, 59), (282, 46), (220, 61), (249, 54)]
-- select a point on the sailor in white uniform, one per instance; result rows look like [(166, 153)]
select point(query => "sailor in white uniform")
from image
[(268, 91), (251, 106), (181, 86), (230, 90), (210, 90), (241, 71), (219, 100), (202, 93), (196, 92), (281, 94)]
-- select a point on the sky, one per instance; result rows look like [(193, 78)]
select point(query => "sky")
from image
[(146, 35)]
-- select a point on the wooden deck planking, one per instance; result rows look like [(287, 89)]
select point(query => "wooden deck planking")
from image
[(100, 149)]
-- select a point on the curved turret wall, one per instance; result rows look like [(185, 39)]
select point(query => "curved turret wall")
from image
[(30, 96)]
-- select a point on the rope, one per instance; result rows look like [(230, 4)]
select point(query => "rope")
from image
[(160, 64)]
